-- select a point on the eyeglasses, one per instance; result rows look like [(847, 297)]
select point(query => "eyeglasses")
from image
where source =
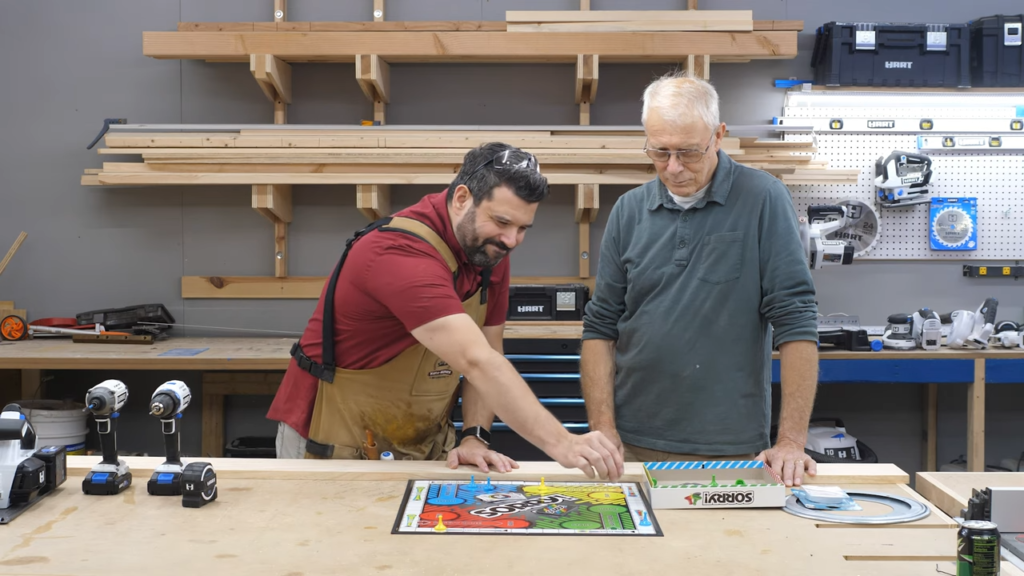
[(504, 161), (684, 156)]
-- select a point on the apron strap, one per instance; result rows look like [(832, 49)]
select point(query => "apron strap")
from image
[(324, 370), (426, 233), (485, 282)]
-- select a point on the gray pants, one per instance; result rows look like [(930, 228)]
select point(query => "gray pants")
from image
[(290, 444)]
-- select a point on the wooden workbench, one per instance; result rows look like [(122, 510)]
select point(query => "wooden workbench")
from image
[(271, 354), (335, 517)]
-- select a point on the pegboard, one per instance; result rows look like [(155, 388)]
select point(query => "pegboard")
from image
[(996, 179)]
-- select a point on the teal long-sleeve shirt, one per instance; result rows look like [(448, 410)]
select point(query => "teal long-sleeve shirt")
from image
[(691, 299)]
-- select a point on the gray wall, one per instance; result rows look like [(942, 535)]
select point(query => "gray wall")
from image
[(68, 65)]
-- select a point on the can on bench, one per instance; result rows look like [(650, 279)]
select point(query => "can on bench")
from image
[(977, 549)]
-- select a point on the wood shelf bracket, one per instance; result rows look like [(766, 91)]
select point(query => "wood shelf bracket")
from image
[(374, 77), (373, 200), (699, 66), (280, 10), (378, 10), (586, 84), (274, 77), (274, 202), (587, 205)]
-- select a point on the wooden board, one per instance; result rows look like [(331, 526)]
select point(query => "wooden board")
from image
[(290, 515), (466, 46), (534, 16), (304, 287), (262, 353), (705, 25), (413, 25), (950, 491)]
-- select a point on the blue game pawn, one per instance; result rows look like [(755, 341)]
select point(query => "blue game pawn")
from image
[(489, 487), (644, 521)]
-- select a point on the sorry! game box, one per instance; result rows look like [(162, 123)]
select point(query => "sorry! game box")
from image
[(525, 508)]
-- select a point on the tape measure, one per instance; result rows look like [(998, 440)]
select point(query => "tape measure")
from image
[(13, 328)]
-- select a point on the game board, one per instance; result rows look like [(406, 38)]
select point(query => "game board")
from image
[(525, 508)]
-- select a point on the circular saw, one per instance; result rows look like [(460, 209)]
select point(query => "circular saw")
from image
[(860, 229)]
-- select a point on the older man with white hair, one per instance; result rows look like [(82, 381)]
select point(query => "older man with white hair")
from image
[(700, 270)]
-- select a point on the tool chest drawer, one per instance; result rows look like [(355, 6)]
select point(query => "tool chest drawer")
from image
[(551, 368), (892, 54)]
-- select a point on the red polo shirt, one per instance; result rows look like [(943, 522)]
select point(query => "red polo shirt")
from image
[(390, 285)]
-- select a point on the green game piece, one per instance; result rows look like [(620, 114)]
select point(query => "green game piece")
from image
[(714, 482), (740, 482)]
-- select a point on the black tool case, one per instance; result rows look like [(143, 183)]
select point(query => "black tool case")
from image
[(892, 54), (547, 301), (128, 317), (997, 56)]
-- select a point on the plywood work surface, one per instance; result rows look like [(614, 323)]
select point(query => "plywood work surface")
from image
[(318, 526)]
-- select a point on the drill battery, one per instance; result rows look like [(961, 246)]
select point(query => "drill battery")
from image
[(547, 302)]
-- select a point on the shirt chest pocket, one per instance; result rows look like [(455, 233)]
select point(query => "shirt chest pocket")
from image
[(722, 258)]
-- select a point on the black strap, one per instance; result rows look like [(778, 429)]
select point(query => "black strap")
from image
[(485, 281), (324, 370), (327, 359), (320, 450)]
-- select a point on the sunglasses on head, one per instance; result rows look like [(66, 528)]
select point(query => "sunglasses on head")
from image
[(504, 161)]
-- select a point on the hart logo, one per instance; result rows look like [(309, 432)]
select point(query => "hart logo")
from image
[(881, 123), (849, 236), (441, 370), (522, 309), (723, 498), (907, 65)]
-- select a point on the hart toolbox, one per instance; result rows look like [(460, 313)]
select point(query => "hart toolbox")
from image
[(997, 56), (547, 302), (892, 54)]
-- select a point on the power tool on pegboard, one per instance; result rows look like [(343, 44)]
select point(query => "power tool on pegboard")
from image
[(902, 179), (111, 475), (168, 402), (821, 220), (972, 329), (26, 474)]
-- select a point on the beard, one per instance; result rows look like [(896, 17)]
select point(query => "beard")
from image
[(474, 247)]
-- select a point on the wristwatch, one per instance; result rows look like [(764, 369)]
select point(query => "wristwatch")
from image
[(477, 432)]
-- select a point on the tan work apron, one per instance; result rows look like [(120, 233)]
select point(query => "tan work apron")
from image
[(406, 403)]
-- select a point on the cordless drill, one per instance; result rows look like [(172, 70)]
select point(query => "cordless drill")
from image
[(111, 475), (167, 404)]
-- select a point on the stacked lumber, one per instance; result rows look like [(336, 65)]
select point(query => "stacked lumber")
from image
[(461, 42), (411, 26), (370, 155), (630, 20)]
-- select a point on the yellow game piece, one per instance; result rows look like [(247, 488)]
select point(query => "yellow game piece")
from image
[(440, 525), (543, 488)]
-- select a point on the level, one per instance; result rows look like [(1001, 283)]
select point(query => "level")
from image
[(904, 125), (979, 142)]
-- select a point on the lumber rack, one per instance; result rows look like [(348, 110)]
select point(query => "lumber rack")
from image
[(373, 156)]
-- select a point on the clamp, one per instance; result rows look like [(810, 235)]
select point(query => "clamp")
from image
[(106, 126)]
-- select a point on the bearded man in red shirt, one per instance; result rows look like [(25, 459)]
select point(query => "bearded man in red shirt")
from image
[(416, 300)]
